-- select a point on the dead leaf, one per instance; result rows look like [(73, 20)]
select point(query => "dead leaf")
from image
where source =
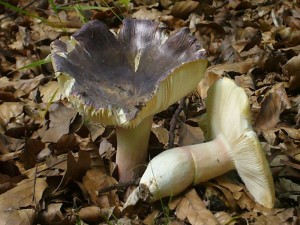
[(192, 208), (27, 193), (10, 110), (50, 92), (189, 135), (60, 119), (224, 218), (274, 103), (20, 217), (95, 180), (76, 168), (292, 70), (147, 14), (182, 9), (95, 214), (161, 133), (31, 150)]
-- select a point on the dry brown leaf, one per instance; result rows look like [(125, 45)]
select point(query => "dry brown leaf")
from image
[(95, 129), (292, 70), (192, 208), (150, 219), (147, 14), (76, 168), (31, 150), (22, 39), (209, 79), (95, 214), (23, 87), (161, 133), (41, 31), (27, 193), (9, 110), (60, 119), (270, 136), (95, 180), (182, 9), (20, 217), (245, 81), (275, 217), (189, 135), (52, 214), (289, 186), (50, 92), (224, 218), (289, 36), (274, 103), (245, 202), (225, 182), (106, 148), (213, 73), (228, 53)]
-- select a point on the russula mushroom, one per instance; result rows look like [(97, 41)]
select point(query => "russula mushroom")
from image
[(234, 146), (124, 79)]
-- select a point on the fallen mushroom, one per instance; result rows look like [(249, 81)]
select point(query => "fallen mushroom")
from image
[(234, 146), (125, 79)]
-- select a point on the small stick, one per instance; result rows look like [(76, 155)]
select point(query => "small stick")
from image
[(120, 186), (174, 122)]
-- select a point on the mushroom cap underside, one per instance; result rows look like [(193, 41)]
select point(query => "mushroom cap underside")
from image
[(228, 113), (122, 79), (253, 167)]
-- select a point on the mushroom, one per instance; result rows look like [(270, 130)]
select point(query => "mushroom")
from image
[(234, 146), (124, 79)]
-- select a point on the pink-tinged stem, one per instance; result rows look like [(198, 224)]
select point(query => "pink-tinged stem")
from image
[(132, 146), (211, 159)]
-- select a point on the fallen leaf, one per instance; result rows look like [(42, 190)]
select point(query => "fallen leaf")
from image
[(60, 119), (161, 133), (50, 92), (95, 214), (274, 103), (94, 181), (192, 208), (292, 70), (182, 9), (189, 135), (27, 193), (20, 217), (224, 218), (10, 110)]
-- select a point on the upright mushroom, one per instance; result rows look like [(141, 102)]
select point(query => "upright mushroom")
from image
[(125, 79), (234, 146)]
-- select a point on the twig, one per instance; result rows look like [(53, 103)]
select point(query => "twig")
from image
[(120, 186), (174, 122), (55, 164)]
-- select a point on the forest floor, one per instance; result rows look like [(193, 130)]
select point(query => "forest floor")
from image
[(48, 152)]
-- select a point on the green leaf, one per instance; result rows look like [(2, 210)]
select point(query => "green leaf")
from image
[(53, 6), (34, 64)]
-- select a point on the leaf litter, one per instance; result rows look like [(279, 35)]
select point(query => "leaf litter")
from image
[(54, 164)]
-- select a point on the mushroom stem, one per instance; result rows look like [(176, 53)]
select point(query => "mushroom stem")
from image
[(132, 146), (175, 169)]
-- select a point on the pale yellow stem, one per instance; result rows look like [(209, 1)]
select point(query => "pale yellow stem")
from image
[(132, 146)]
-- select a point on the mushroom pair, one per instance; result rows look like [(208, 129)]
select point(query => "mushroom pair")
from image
[(233, 146), (124, 79)]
